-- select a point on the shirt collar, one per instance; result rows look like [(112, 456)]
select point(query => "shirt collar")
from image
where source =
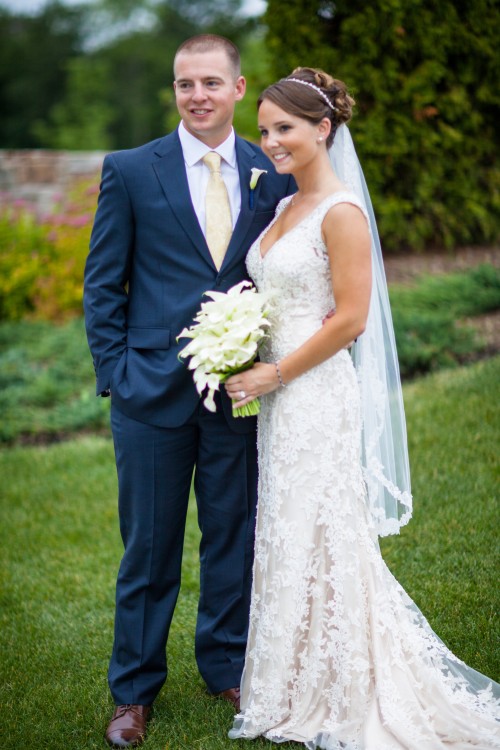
[(194, 150)]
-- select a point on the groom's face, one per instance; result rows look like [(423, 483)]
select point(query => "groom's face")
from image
[(206, 91)]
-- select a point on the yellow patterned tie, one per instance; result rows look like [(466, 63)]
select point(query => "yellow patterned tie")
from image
[(219, 225)]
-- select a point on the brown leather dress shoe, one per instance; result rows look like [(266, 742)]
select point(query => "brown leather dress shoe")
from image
[(232, 695), (127, 727)]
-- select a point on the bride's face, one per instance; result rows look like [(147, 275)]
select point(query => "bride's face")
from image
[(289, 141)]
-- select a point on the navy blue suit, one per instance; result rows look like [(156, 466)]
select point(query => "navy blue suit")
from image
[(146, 273)]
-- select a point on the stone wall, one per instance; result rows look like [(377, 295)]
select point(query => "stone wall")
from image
[(42, 177)]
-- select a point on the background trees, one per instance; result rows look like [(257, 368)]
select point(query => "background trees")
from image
[(99, 76), (425, 77), (424, 74), (34, 55)]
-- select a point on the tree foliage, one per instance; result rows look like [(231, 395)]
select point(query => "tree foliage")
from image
[(425, 78), (83, 119), (34, 55), (98, 75)]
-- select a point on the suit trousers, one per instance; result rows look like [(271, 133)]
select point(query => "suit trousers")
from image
[(155, 469)]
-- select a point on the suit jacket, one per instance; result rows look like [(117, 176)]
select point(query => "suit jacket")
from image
[(147, 270)]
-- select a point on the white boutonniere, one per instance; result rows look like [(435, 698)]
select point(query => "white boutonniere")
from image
[(254, 178)]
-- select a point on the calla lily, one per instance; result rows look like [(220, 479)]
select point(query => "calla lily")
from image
[(255, 175), (225, 336), (254, 178)]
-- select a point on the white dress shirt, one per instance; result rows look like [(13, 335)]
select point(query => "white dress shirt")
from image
[(197, 172)]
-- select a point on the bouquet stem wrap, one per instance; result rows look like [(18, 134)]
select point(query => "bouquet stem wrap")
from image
[(225, 337)]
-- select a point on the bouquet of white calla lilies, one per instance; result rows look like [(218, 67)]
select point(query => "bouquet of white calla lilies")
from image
[(225, 337)]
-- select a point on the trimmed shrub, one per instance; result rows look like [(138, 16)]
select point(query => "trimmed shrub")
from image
[(426, 317)]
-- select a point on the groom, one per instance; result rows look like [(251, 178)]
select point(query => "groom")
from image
[(153, 254)]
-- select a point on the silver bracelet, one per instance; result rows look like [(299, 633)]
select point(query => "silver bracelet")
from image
[(278, 371)]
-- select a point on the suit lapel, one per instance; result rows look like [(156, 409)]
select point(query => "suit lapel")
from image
[(171, 172), (245, 157)]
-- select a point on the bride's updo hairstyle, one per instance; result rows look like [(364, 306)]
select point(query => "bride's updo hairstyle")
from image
[(312, 94)]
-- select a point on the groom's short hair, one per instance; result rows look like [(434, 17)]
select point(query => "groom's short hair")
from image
[(210, 42)]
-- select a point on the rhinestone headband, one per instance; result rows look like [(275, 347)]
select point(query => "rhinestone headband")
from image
[(316, 88)]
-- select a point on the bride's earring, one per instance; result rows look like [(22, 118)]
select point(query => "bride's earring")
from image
[(319, 139)]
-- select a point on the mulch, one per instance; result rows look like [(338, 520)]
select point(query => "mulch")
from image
[(404, 268)]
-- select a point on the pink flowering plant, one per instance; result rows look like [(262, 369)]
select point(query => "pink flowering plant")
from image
[(42, 256)]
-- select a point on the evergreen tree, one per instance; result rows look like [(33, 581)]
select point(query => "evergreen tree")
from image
[(425, 78)]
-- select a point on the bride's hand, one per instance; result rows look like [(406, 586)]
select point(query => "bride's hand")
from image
[(244, 387)]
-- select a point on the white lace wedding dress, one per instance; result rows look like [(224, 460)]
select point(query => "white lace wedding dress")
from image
[(338, 655)]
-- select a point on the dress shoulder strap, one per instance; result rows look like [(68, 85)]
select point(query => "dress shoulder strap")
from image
[(283, 203), (341, 196)]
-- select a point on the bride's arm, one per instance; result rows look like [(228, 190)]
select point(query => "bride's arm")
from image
[(346, 235), (347, 238)]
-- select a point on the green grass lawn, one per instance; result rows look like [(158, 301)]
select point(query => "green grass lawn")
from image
[(60, 552)]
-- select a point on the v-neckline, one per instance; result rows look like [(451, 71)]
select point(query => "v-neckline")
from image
[(292, 229)]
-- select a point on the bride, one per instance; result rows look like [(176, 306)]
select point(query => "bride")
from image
[(338, 655)]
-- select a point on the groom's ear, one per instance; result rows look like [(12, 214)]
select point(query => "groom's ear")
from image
[(240, 87)]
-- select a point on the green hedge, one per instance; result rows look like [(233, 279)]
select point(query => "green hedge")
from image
[(428, 318), (425, 78)]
